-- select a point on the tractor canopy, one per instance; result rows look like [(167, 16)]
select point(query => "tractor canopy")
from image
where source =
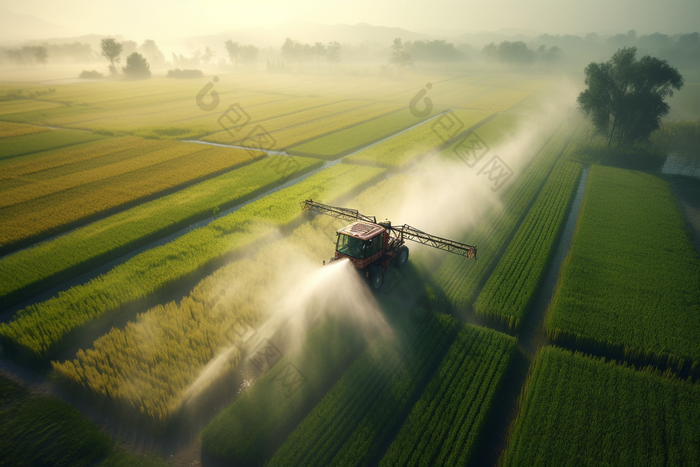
[(360, 240)]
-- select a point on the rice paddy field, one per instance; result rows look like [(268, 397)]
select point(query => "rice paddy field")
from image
[(164, 300)]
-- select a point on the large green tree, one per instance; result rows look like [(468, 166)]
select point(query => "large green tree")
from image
[(111, 49), (626, 97), (137, 66)]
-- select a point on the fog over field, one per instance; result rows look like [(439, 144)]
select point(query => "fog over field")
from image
[(361, 233)]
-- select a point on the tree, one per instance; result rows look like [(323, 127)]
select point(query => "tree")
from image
[(333, 52), (490, 51), (208, 55), (241, 53), (515, 53), (234, 51), (400, 59), (150, 50), (111, 49), (318, 51), (137, 66), (625, 96), (41, 54), (437, 51), (548, 56)]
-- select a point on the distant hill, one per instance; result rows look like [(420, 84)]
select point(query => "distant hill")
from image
[(18, 27), (312, 32)]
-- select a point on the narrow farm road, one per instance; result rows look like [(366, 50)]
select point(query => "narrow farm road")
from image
[(687, 191)]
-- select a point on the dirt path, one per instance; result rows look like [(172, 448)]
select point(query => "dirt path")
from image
[(687, 191)]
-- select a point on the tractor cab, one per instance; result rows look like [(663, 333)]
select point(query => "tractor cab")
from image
[(361, 242)]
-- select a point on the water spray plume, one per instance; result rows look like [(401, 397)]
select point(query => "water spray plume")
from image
[(303, 296)]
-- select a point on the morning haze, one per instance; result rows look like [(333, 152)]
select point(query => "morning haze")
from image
[(358, 233)]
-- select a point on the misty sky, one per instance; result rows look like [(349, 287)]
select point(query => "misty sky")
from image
[(180, 18)]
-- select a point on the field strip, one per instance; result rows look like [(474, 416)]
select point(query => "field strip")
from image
[(284, 153), (6, 315)]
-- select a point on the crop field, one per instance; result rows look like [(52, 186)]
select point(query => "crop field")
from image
[(78, 250), (358, 413), (164, 299), (38, 328), (16, 143), (602, 413), (43, 197), (406, 147), (68, 438), (459, 282), (649, 306), (345, 141), (510, 288), (443, 427)]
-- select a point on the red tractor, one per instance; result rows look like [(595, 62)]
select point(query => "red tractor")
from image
[(372, 246)]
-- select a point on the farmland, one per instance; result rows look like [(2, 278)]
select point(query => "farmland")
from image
[(356, 415), (578, 407), (107, 238), (160, 282), (509, 290), (406, 147), (649, 307), (443, 427), (53, 197), (38, 328)]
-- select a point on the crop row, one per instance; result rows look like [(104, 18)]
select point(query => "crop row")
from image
[(187, 120), (457, 281), (355, 418), (30, 270), (251, 428), (578, 410), (43, 160), (629, 285), (308, 131), (511, 287), (221, 305), (345, 141), (271, 125), (38, 328), (499, 100), (404, 148), (445, 425), (30, 143), (41, 430), (8, 108), (113, 164), (28, 220), (185, 337), (11, 130)]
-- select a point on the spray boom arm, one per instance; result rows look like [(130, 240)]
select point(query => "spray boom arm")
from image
[(401, 232), (406, 232)]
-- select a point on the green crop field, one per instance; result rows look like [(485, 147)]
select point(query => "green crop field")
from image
[(591, 412), (357, 415), (34, 267), (40, 430), (510, 288), (165, 300), (630, 282), (444, 426)]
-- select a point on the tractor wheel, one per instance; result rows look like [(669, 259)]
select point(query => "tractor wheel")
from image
[(401, 257), (376, 277)]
